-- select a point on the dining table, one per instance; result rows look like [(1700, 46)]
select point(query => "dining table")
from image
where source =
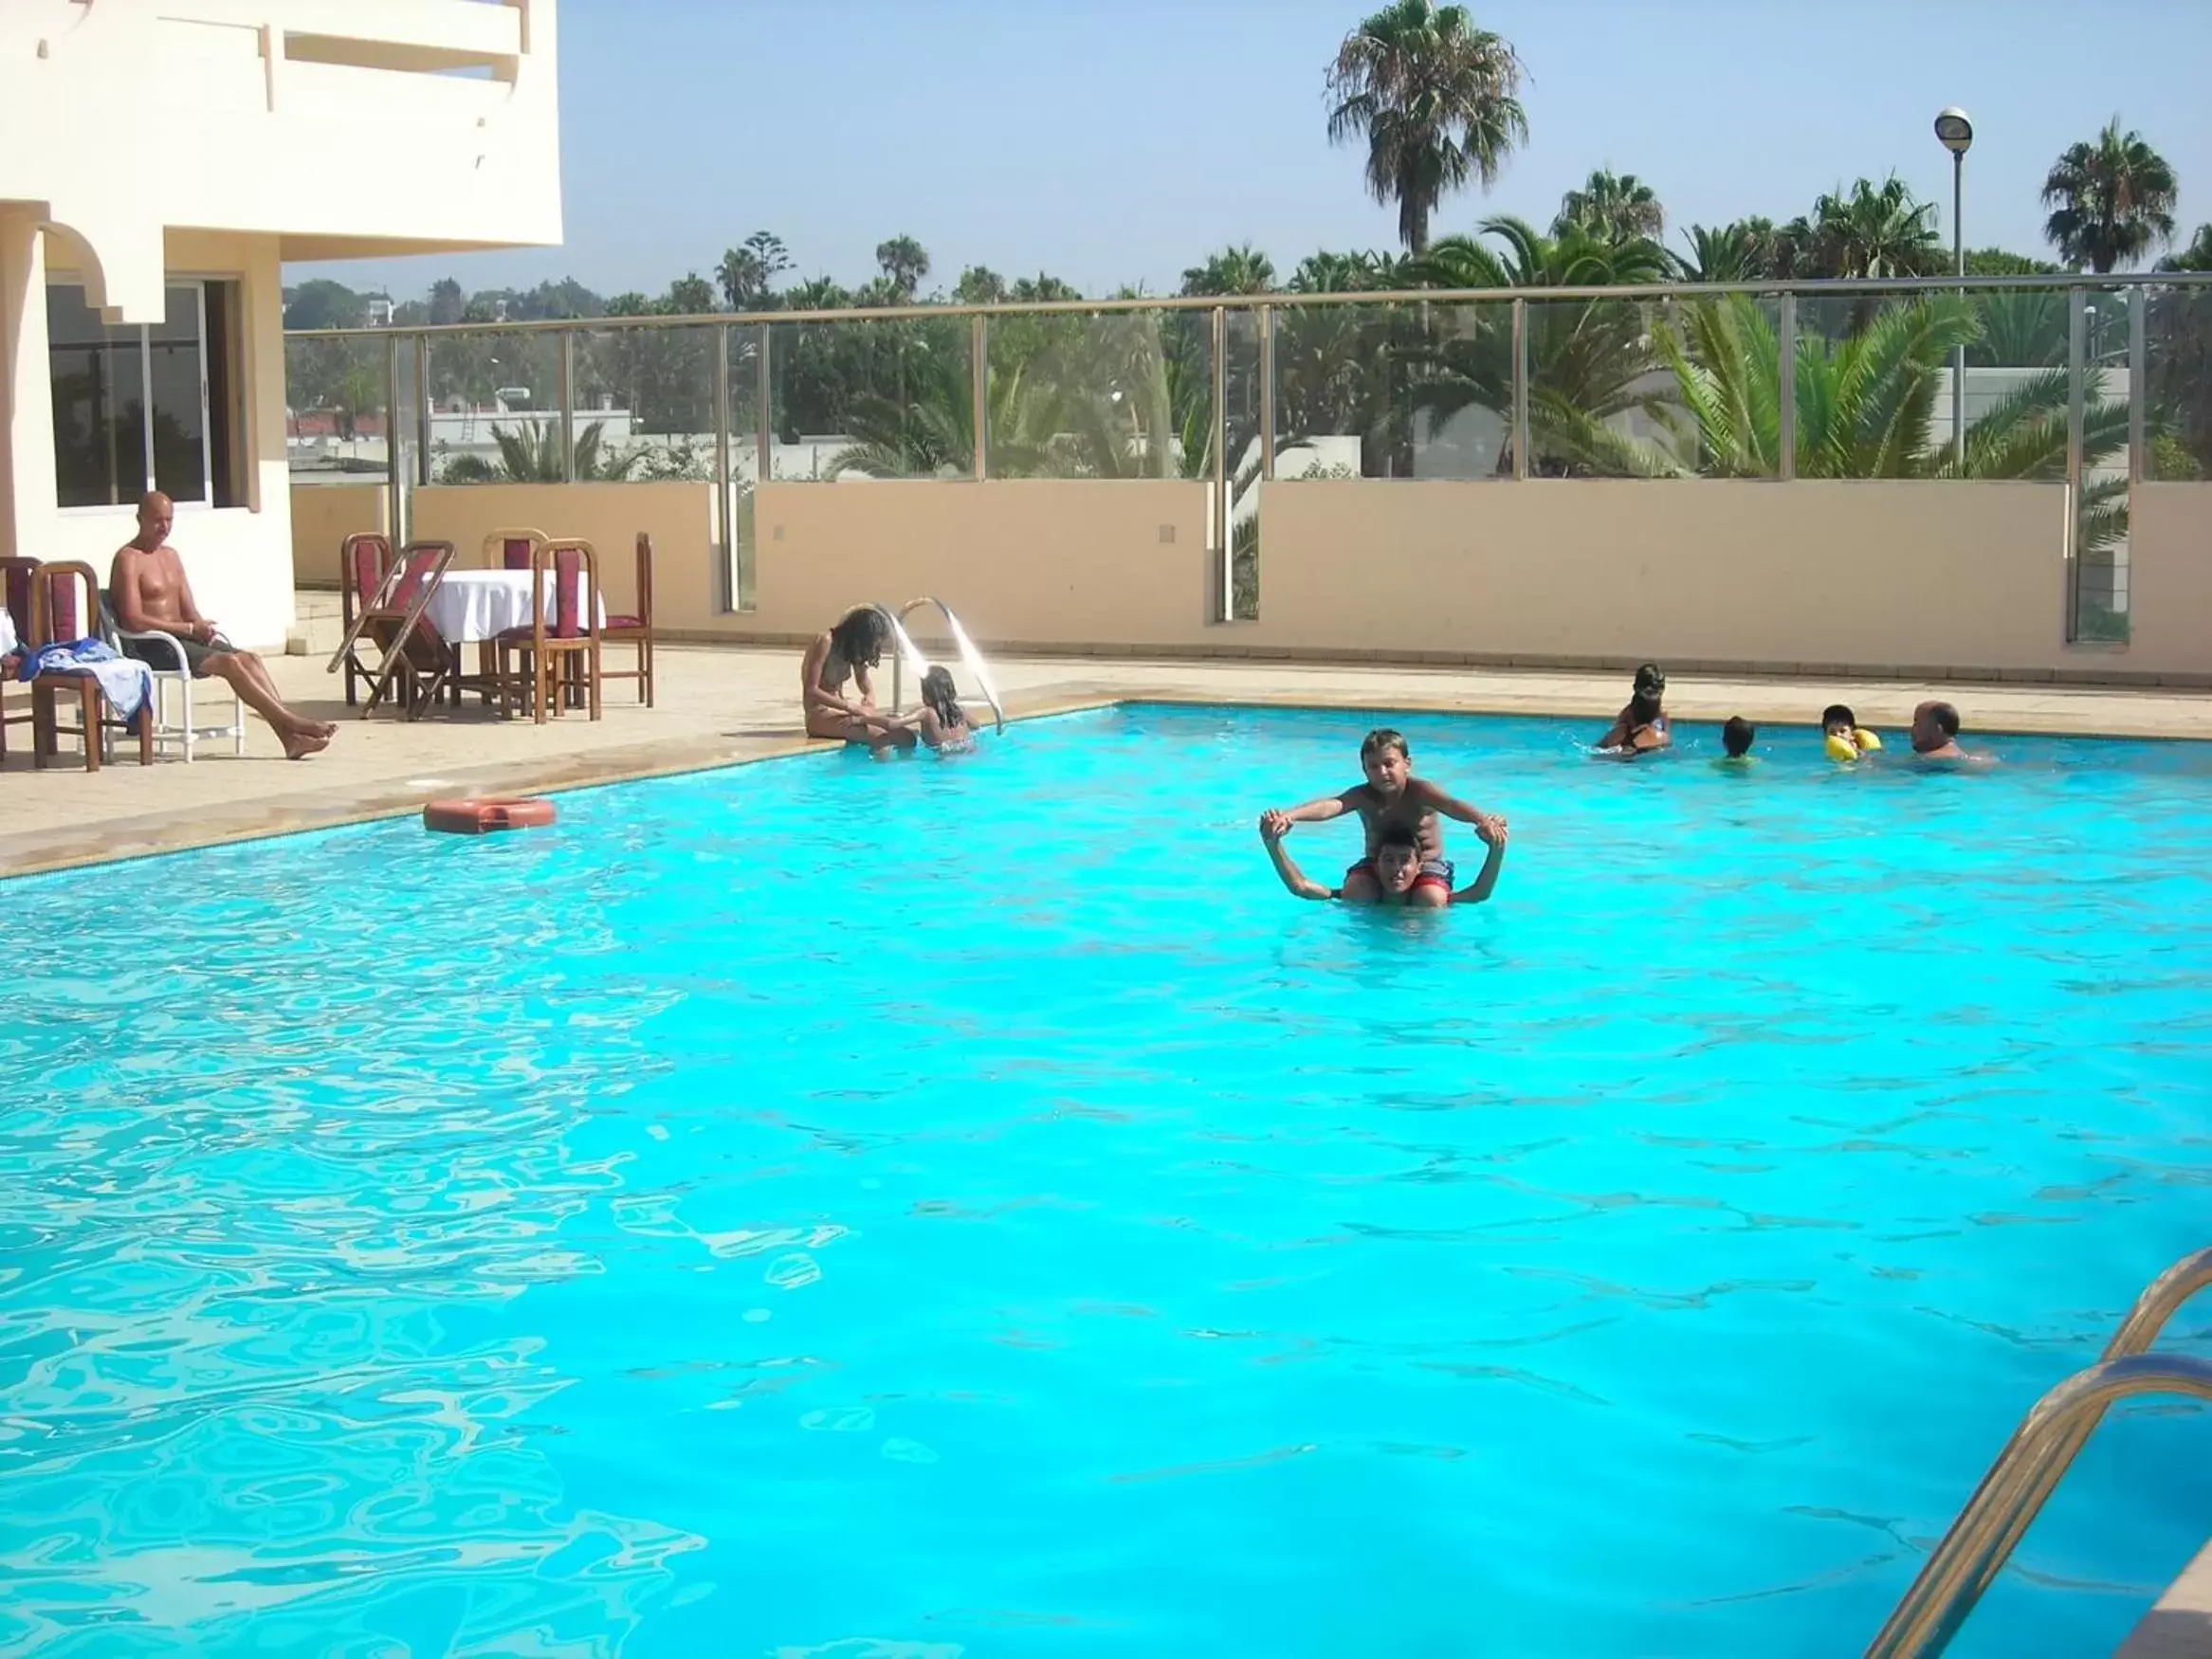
[(476, 606)]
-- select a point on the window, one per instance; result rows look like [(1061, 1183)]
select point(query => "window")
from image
[(132, 405)]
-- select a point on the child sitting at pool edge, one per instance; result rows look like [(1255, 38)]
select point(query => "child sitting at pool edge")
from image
[(1391, 796), (1401, 880)]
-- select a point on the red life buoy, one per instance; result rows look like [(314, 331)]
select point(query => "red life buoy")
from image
[(484, 817)]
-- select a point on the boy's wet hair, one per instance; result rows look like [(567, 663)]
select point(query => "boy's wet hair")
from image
[(1383, 737), (1737, 735), (1396, 835), (1838, 712)]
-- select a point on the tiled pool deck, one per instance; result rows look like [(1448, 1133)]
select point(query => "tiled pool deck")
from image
[(717, 705)]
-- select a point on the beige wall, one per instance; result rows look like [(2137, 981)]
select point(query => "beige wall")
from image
[(2169, 579), (323, 515), (1866, 573), (312, 120), (1914, 577), (679, 517)]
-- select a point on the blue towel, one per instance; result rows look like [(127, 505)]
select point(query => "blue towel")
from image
[(125, 682)]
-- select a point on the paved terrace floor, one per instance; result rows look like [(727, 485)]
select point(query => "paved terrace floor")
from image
[(718, 706)]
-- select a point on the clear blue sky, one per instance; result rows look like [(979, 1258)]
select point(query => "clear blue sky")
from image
[(1113, 141)]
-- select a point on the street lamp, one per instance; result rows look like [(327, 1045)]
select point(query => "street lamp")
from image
[(1956, 133)]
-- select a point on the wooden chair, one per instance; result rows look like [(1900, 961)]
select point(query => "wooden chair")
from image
[(19, 595), (364, 559), (67, 596), (413, 657), (512, 550), (569, 638), (636, 629)]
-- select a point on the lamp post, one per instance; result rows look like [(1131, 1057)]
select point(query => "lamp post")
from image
[(1956, 133)]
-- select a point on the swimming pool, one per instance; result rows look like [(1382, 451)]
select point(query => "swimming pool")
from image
[(970, 1208)]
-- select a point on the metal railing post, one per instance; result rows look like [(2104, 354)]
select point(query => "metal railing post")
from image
[(980, 389), (1520, 388), (1225, 539), (1267, 328), (394, 451), (422, 409), (564, 380), (2138, 386), (2076, 389), (763, 415), (722, 489), (1786, 389)]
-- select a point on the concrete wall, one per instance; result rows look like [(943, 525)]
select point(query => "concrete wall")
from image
[(679, 517), (323, 122), (239, 559), (2170, 535), (1902, 578), (323, 515), (1872, 575)]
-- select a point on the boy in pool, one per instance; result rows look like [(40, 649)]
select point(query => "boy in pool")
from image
[(1737, 737), (1391, 796), (1401, 880), (1843, 736)]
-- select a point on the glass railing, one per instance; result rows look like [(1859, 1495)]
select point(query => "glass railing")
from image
[(2096, 382)]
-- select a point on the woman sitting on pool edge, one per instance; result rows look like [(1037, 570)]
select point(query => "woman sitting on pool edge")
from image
[(1643, 727), (1396, 865), (849, 651)]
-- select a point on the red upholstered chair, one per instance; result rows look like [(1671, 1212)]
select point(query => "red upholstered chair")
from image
[(413, 656), (363, 562), (19, 595), (512, 550), (568, 637), (635, 627), (66, 598)]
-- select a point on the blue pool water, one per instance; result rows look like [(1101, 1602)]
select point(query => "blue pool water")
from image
[(849, 1210)]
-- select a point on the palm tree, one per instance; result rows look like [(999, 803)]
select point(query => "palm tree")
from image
[(2196, 257), (531, 454), (1866, 405), (904, 262), (1875, 231), (1744, 250), (1233, 270), (1589, 360), (1621, 207), (2112, 202), (1433, 98)]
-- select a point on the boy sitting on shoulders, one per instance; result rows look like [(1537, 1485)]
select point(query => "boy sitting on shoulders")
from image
[(1391, 798), (1398, 872)]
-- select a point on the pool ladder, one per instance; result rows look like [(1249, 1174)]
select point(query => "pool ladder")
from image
[(2036, 1457), (908, 652)]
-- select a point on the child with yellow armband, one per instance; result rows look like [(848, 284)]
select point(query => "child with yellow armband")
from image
[(1843, 737)]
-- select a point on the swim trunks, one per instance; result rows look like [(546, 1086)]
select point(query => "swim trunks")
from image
[(195, 653)]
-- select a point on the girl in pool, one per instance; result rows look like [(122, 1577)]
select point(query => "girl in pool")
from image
[(849, 651), (942, 724), (1643, 727)]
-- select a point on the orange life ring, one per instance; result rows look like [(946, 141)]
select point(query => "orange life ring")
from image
[(484, 817)]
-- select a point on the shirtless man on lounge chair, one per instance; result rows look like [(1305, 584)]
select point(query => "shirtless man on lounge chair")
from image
[(147, 588)]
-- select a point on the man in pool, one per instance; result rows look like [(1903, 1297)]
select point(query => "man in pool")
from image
[(1935, 736), (1391, 796), (1399, 879)]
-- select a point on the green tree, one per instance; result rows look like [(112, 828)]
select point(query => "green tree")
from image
[(689, 294), (2196, 257), (905, 262), (448, 302), (1875, 231), (1999, 261), (748, 272), (530, 453), (322, 303), (1434, 98), (1233, 271), (979, 285), (1616, 206), (2111, 201)]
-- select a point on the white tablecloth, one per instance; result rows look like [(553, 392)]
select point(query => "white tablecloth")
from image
[(8, 630), (481, 605)]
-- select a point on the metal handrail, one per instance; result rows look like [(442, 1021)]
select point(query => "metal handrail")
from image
[(1979, 1542), (1163, 302), (969, 654)]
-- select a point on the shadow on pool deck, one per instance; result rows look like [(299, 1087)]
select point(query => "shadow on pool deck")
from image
[(719, 706)]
